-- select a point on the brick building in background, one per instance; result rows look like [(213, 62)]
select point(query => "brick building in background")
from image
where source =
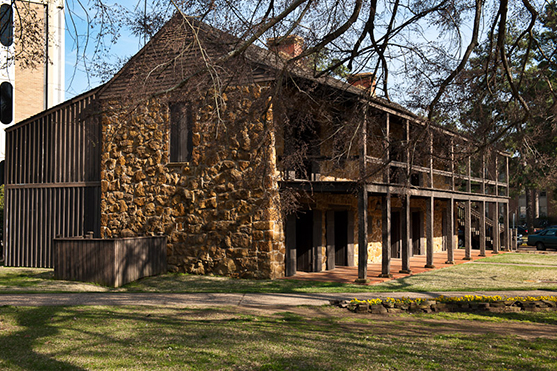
[(37, 36)]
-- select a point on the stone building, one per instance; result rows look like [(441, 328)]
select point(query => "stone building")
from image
[(249, 168)]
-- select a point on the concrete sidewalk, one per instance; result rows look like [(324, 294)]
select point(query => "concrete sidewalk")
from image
[(218, 299)]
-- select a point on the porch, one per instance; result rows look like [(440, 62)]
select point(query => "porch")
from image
[(344, 274)]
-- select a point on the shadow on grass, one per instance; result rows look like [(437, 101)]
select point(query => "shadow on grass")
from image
[(159, 338), (186, 283), (549, 318), (18, 348)]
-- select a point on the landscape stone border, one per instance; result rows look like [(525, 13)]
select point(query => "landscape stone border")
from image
[(507, 305)]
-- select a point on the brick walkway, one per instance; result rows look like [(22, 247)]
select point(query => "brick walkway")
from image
[(417, 263)]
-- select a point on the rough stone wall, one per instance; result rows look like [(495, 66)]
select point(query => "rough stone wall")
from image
[(219, 210)]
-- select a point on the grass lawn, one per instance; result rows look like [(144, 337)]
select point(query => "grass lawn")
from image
[(470, 276), (477, 277), (322, 338), (534, 259)]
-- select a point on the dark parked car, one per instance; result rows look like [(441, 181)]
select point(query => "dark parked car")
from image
[(544, 239)]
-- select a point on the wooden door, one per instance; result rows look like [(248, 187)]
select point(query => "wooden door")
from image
[(341, 238)]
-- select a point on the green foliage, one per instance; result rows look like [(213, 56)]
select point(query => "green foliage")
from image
[(494, 110), (329, 65)]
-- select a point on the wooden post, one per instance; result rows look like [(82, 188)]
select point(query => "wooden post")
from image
[(483, 174), (430, 160), (496, 174), (495, 230), (469, 175), (468, 230), (482, 228), (452, 163), (407, 150), (317, 241), (406, 233), (362, 234), (506, 238), (330, 240), (386, 163), (507, 179), (430, 210), (450, 231), (386, 228), (362, 207)]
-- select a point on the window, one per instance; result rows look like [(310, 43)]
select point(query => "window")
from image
[(6, 103), (180, 133), (416, 179), (302, 146), (6, 25)]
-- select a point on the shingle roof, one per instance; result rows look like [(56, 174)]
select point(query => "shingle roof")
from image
[(174, 55)]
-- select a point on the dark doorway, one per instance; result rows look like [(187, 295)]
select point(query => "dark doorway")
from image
[(416, 233), (396, 235), (304, 241), (341, 238)]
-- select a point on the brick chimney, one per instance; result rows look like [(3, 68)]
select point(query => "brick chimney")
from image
[(287, 47), (364, 81)]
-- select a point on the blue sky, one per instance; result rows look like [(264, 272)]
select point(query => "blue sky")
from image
[(78, 80)]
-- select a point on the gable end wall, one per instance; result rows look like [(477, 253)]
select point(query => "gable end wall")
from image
[(219, 210)]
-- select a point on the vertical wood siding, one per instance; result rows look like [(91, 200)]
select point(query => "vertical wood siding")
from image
[(109, 262), (52, 181)]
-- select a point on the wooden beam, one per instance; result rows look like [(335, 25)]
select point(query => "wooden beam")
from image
[(386, 171), (469, 176), (450, 231), (431, 160), (407, 150), (317, 241), (362, 234), (483, 173), (386, 232), (482, 227), (495, 230), (430, 221), (54, 185), (506, 238), (468, 230), (452, 163), (362, 206), (443, 194), (508, 193), (496, 175), (406, 233)]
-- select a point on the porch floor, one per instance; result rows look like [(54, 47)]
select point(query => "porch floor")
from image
[(417, 265)]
